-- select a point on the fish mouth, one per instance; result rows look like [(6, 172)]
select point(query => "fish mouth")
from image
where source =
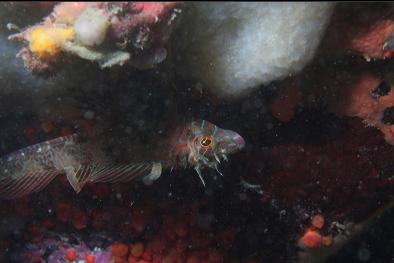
[(230, 143), (236, 139)]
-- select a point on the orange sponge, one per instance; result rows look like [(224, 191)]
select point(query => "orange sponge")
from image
[(46, 41)]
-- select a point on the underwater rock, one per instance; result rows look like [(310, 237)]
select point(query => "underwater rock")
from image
[(318, 175), (353, 89), (288, 97), (362, 29), (165, 242), (358, 100), (344, 78), (234, 47), (314, 179), (11, 225), (109, 33)]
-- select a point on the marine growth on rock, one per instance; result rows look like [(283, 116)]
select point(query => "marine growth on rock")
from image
[(107, 33)]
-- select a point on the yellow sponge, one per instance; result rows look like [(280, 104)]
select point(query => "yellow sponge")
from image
[(46, 42)]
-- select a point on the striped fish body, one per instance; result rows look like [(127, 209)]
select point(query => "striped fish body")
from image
[(113, 147), (115, 155), (33, 168)]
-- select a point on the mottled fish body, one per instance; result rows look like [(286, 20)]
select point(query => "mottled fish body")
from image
[(197, 144)]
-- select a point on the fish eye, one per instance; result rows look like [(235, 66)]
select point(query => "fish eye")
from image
[(206, 141)]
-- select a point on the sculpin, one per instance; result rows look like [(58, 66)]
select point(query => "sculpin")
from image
[(83, 158), (138, 129)]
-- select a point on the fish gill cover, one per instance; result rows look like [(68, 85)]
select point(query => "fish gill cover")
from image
[(119, 142)]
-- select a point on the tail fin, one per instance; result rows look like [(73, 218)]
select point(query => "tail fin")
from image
[(31, 169)]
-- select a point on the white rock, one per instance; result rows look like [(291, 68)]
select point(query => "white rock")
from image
[(234, 47)]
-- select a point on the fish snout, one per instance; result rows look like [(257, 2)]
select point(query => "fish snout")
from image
[(233, 142), (238, 140)]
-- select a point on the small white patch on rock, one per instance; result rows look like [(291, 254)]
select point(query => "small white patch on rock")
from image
[(91, 27)]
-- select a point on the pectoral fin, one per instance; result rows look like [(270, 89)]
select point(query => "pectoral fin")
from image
[(114, 173)]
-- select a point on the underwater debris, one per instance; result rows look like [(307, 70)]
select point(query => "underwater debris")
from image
[(109, 33), (256, 188)]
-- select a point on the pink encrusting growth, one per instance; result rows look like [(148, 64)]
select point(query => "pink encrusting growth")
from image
[(109, 33), (359, 29), (179, 236)]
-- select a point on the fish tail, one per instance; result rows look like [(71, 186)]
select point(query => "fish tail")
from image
[(31, 169)]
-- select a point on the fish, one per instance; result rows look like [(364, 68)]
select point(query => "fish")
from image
[(81, 158)]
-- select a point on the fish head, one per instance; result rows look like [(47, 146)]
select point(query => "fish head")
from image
[(211, 144), (207, 145)]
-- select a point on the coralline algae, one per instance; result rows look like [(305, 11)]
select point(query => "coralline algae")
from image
[(235, 47)]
